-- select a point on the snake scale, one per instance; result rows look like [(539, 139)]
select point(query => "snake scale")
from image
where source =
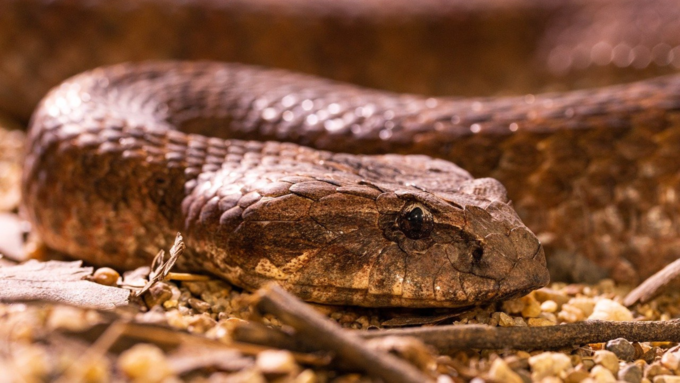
[(121, 157)]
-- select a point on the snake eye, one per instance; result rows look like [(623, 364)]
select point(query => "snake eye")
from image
[(416, 222)]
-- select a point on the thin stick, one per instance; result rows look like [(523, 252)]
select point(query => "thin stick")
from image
[(447, 339), (255, 333), (187, 277), (76, 371), (160, 267), (654, 285), (326, 334), (169, 337)]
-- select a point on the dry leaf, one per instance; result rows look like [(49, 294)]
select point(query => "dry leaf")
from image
[(56, 281)]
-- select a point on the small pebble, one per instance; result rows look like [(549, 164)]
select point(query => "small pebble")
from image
[(196, 287), (571, 314), (198, 305), (505, 320), (176, 319), (650, 355), (607, 359), (532, 308), (549, 306), (632, 373), (537, 322), (548, 294), (171, 304), (602, 374), (306, 376), (200, 324), (501, 372), (70, 318), (587, 364), (519, 322), (671, 360), (145, 363), (666, 379), (513, 306), (607, 309), (105, 276), (158, 294), (276, 362), (656, 369), (585, 304), (623, 349), (516, 362), (525, 375), (362, 321), (576, 376), (548, 364), (640, 349)]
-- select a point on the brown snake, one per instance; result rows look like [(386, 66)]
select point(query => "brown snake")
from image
[(334, 228), (593, 172)]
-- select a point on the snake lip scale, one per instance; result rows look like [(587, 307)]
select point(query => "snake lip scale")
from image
[(111, 176)]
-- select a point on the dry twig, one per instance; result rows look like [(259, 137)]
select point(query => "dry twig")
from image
[(349, 347), (255, 333), (129, 333), (160, 268), (654, 285), (451, 338)]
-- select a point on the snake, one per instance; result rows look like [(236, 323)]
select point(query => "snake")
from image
[(349, 195)]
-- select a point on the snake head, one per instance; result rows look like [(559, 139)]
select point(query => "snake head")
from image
[(401, 231), (454, 249)]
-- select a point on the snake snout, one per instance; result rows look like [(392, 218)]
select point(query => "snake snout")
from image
[(513, 257), (529, 273), (492, 256)]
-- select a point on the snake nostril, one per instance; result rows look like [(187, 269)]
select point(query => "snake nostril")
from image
[(477, 254)]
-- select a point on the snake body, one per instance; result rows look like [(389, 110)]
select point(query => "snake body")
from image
[(122, 158), (333, 228)]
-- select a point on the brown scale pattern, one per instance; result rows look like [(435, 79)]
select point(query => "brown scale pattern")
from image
[(119, 180)]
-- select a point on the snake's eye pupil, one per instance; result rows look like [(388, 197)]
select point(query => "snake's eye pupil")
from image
[(416, 222), (415, 218)]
